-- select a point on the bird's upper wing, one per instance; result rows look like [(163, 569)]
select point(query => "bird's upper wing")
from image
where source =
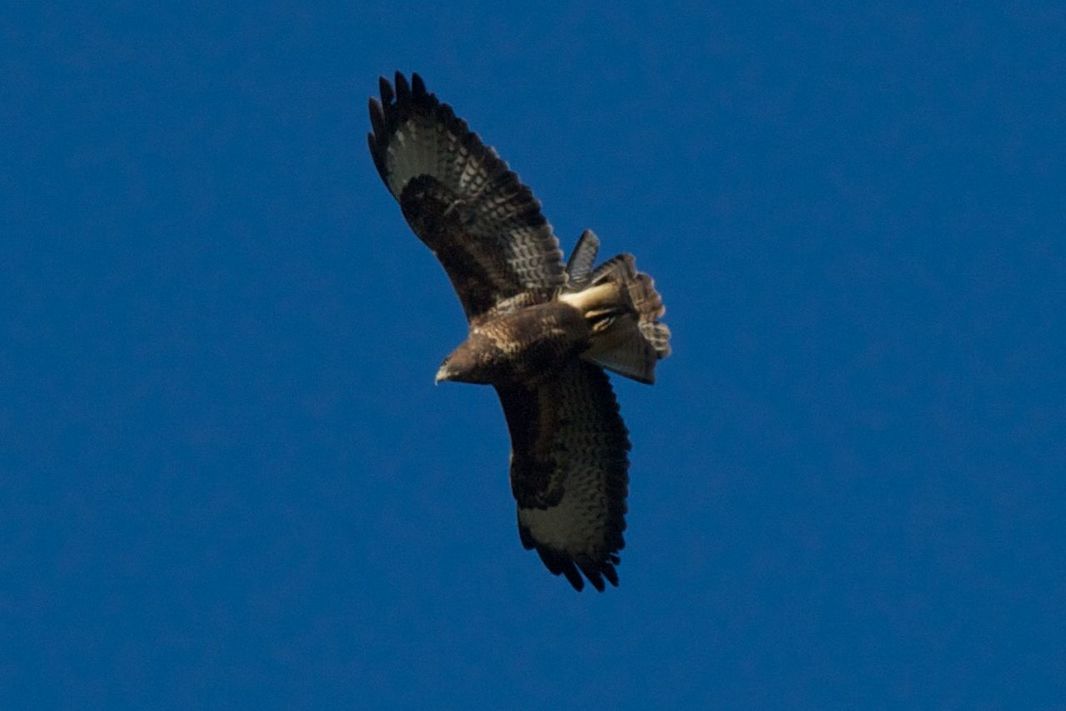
[(461, 199), (569, 468)]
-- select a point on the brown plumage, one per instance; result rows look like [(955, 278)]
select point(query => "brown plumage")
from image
[(540, 332)]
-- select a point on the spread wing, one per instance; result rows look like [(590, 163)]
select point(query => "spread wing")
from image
[(569, 468), (461, 199)]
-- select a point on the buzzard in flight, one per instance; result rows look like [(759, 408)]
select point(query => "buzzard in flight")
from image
[(540, 331)]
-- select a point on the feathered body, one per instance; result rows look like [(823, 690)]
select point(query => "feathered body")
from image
[(540, 331), (523, 346)]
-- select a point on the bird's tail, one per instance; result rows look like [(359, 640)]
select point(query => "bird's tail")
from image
[(623, 311)]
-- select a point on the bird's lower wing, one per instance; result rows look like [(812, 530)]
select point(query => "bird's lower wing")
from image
[(569, 472)]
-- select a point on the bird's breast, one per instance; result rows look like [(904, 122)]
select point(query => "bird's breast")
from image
[(538, 339)]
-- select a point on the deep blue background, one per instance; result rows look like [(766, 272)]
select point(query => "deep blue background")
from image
[(226, 478)]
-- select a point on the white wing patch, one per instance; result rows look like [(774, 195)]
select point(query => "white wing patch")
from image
[(575, 525)]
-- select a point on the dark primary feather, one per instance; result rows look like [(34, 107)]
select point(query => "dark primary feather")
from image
[(569, 472), (461, 199)]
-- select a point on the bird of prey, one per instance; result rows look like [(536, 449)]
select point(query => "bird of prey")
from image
[(541, 332)]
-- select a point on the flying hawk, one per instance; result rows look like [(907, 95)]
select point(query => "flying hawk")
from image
[(540, 332)]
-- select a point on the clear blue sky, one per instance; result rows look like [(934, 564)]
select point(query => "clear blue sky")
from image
[(226, 478)]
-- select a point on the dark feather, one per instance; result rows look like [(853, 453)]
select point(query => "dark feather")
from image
[(385, 89), (418, 86), (377, 121), (403, 92)]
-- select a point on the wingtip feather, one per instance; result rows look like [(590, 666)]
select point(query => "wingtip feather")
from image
[(573, 577), (385, 89), (611, 574), (377, 116), (593, 573), (403, 90), (417, 85)]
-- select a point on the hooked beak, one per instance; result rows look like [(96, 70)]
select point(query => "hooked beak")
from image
[(442, 374)]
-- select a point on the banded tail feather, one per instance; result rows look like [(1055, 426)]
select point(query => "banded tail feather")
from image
[(623, 310)]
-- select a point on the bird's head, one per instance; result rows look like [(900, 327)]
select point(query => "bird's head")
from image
[(446, 371), (469, 363)]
